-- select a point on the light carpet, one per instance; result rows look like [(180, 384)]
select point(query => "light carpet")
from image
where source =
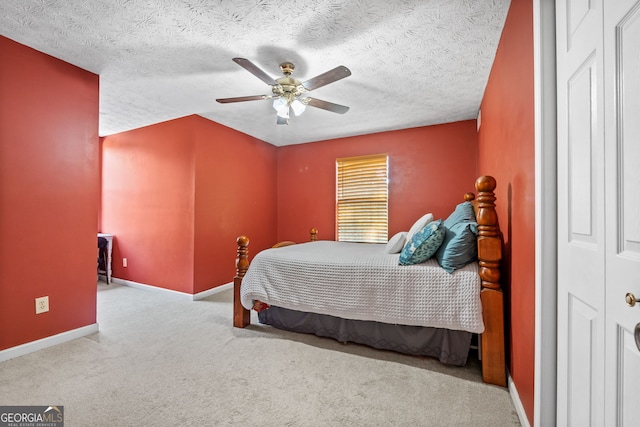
[(160, 360)]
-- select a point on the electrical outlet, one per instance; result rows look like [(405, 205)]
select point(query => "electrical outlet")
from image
[(42, 305), (124, 262)]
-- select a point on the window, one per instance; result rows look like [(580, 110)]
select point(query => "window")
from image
[(361, 199)]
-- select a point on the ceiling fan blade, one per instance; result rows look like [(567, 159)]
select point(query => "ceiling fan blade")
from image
[(255, 70), (325, 105), (325, 78), (243, 98)]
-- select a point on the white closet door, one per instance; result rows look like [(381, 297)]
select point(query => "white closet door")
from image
[(581, 213), (598, 56), (622, 154)]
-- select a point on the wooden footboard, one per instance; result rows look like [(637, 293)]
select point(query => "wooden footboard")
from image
[(242, 316), (489, 256)]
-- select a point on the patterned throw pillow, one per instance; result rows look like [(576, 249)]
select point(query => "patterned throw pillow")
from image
[(423, 244), (419, 225), (396, 243)]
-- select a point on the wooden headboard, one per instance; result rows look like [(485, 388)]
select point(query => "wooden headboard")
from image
[(489, 256)]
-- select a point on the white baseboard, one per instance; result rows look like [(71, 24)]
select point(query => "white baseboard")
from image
[(193, 297), (43, 343), (515, 397), (213, 291)]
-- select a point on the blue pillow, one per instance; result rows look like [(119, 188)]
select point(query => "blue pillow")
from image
[(460, 246), (423, 244), (462, 213)]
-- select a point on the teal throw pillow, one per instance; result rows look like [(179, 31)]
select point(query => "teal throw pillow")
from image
[(460, 246), (423, 244), (462, 213)]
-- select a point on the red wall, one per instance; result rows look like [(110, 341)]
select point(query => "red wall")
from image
[(49, 194), (430, 169), (235, 195), (177, 194), (506, 151), (147, 203)]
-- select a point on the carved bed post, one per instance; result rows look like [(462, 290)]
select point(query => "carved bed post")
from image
[(314, 234), (241, 316), (489, 256)]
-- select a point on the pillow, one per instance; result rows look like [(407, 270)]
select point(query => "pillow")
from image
[(419, 225), (396, 243), (460, 246), (423, 244), (462, 213)]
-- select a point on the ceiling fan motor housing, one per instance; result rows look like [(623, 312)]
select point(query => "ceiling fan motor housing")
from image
[(287, 68), (288, 87)]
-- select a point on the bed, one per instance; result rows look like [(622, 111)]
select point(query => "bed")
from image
[(356, 292)]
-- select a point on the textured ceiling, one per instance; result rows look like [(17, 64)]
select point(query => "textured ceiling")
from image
[(413, 62)]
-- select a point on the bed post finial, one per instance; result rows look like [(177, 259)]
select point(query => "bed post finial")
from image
[(314, 234), (242, 260), (489, 237), (241, 316)]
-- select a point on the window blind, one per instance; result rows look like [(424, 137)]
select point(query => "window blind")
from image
[(362, 199)]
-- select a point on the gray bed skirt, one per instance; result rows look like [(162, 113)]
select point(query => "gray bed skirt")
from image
[(449, 346)]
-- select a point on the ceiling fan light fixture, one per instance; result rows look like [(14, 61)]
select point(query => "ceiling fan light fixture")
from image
[(284, 113), (282, 107), (298, 107)]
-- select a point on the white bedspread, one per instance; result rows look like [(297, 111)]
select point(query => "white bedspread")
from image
[(362, 282)]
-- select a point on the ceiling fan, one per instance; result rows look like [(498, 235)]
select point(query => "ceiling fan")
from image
[(287, 92)]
